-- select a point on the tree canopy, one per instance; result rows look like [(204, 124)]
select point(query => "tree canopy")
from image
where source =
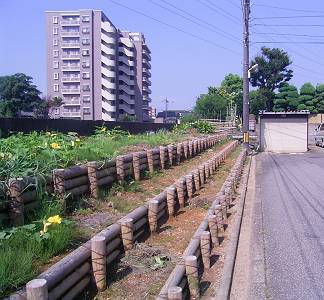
[(272, 72), (17, 93), (287, 98)]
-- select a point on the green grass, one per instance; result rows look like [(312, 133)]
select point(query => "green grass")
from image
[(22, 254), (39, 153)]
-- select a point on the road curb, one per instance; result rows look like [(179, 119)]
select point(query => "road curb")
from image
[(229, 263)]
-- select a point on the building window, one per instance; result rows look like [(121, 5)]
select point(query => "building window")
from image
[(55, 30), (56, 76), (86, 52), (55, 42), (55, 64), (85, 75), (86, 64), (56, 87), (85, 18), (86, 98), (56, 111), (86, 110), (85, 42), (85, 30), (55, 20), (86, 87), (55, 53)]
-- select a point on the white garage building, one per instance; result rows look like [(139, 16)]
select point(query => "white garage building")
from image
[(283, 132)]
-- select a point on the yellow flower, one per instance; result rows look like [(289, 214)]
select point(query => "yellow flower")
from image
[(77, 140), (48, 133), (55, 146), (72, 143), (55, 219), (103, 129), (53, 134)]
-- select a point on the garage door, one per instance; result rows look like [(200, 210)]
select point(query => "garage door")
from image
[(284, 134)]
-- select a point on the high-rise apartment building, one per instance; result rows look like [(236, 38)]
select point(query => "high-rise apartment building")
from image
[(100, 72)]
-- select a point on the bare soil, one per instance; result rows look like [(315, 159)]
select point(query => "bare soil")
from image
[(141, 281)]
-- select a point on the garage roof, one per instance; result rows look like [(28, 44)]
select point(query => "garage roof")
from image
[(274, 113)]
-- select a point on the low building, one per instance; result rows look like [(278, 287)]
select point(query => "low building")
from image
[(283, 132)]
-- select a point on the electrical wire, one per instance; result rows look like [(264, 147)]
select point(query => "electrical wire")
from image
[(289, 9), (290, 42), (289, 25), (175, 28), (288, 17), (291, 34), (218, 31)]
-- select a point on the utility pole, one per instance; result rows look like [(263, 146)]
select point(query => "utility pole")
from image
[(246, 104), (166, 101)]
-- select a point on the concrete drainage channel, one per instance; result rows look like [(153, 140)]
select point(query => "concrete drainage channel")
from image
[(91, 264), (184, 281)]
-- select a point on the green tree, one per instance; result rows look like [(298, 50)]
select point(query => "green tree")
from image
[(257, 102), (43, 108), (17, 93), (319, 98), (232, 89), (307, 98), (272, 72), (287, 98), (211, 105)]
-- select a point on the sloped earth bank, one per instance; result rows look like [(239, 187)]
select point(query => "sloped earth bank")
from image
[(143, 272)]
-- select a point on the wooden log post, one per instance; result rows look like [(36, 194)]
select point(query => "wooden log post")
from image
[(93, 178), (175, 293), (211, 168), (136, 166), (189, 184), (58, 180), (16, 188), (150, 162), (195, 148), (180, 192), (153, 214), (212, 224), (170, 154), (219, 218), (120, 168), (196, 179), (223, 204), (191, 265), (127, 231), (37, 289), (171, 194), (202, 174), (185, 149), (206, 168), (98, 259), (205, 249), (190, 146), (162, 156), (179, 151)]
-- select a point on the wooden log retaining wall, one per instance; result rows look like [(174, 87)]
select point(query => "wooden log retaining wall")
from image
[(198, 247), (72, 274)]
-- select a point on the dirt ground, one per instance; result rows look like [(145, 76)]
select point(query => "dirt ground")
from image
[(143, 277), (120, 200)]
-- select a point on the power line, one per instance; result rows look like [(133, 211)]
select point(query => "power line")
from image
[(291, 34), (290, 42), (289, 9), (223, 10), (289, 25), (234, 4), (289, 17), (219, 12), (175, 28), (218, 31)]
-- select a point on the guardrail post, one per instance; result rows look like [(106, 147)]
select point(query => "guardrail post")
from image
[(170, 200), (192, 275), (205, 248), (152, 214), (127, 231), (37, 289), (98, 259)]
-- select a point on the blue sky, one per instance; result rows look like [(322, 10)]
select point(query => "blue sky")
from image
[(182, 66)]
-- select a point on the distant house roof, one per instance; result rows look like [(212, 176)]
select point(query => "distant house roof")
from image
[(273, 113)]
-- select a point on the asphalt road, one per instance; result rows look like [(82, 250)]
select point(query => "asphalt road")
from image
[(291, 193)]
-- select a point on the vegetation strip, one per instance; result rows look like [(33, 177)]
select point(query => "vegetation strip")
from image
[(197, 254), (120, 236)]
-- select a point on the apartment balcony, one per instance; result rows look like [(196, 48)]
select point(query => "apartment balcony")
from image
[(126, 42), (72, 103), (127, 109), (108, 39), (71, 91), (70, 45), (71, 67), (126, 70), (146, 54), (107, 27), (126, 79), (147, 81), (73, 56), (108, 107), (126, 61), (126, 51), (107, 50), (146, 63), (146, 48), (108, 96), (70, 22), (71, 114), (125, 88), (70, 33), (146, 89), (71, 79), (146, 72)]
